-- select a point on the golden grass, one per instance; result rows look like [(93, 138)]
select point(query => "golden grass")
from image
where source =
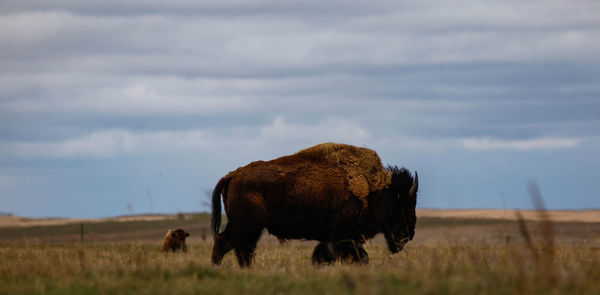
[(138, 268), (587, 216), (12, 221), (447, 256)]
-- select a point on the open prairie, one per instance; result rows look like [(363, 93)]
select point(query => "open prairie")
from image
[(467, 253)]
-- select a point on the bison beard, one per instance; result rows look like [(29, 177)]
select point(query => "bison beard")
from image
[(337, 194)]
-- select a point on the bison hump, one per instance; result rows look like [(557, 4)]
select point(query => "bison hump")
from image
[(364, 172)]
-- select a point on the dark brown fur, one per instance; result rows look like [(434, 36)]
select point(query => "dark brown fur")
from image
[(296, 197), (174, 241)]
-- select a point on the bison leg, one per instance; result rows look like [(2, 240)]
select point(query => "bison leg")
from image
[(351, 251), (348, 251), (244, 255), (244, 248), (324, 253), (363, 256)]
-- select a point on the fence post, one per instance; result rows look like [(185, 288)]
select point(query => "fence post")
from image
[(81, 232)]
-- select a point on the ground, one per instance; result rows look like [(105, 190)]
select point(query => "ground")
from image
[(453, 252)]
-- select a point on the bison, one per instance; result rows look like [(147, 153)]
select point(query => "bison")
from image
[(174, 241), (339, 195)]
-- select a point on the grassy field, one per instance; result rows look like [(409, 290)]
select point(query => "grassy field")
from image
[(447, 256)]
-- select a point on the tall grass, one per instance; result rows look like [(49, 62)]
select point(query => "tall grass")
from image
[(446, 257), (543, 252), (138, 268)]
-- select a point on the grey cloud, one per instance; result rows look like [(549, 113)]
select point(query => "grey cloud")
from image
[(227, 8), (417, 102), (282, 45), (85, 82)]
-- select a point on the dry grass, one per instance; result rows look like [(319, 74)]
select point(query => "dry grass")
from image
[(138, 268), (587, 216), (447, 256), (13, 221)]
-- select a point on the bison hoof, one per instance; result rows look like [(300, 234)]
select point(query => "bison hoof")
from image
[(347, 251), (324, 253), (351, 252)]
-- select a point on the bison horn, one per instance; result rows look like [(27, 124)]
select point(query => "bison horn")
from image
[(412, 192)]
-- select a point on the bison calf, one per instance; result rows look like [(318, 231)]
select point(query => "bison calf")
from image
[(174, 241)]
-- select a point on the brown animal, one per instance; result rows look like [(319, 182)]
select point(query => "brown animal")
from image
[(337, 194), (174, 241)]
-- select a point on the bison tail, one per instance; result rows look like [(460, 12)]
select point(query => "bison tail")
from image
[(221, 187)]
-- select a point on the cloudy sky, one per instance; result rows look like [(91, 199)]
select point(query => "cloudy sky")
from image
[(112, 107)]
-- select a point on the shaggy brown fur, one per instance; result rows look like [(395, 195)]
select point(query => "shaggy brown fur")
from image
[(364, 172), (174, 241), (329, 192), (359, 168)]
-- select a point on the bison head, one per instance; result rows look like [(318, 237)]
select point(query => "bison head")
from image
[(400, 202), (179, 234)]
